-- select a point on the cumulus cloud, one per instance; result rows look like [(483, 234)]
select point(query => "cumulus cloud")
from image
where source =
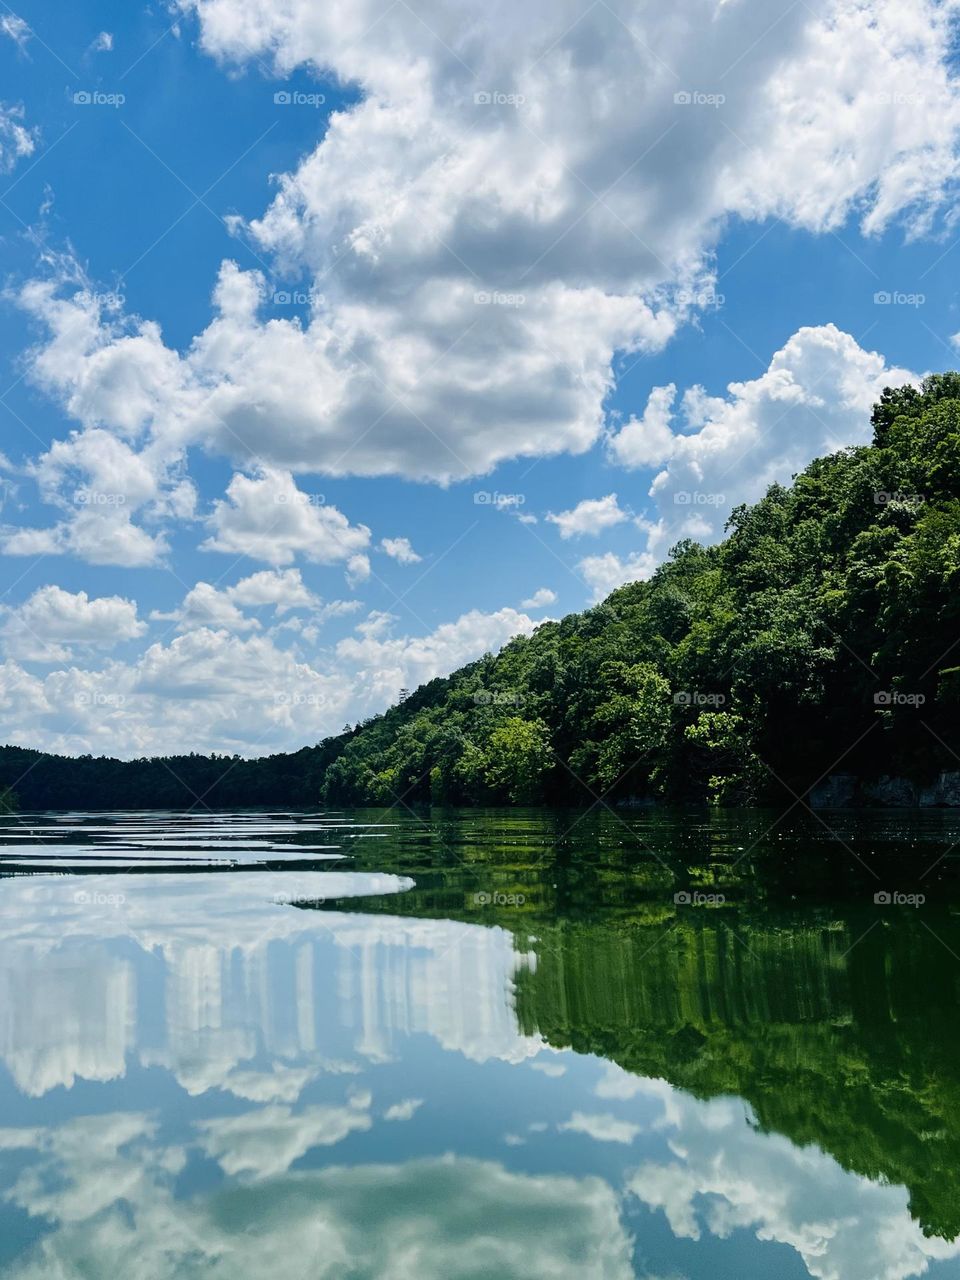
[(433, 1215), (266, 517), (602, 1128), (593, 515), (399, 549), (52, 623), (103, 486), (403, 1110), (266, 1142), (509, 204), (715, 452), (604, 573), (391, 663), (282, 589), (726, 1176), (648, 440), (205, 605), (540, 599), (225, 684)]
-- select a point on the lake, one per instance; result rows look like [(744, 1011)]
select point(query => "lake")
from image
[(634, 1046)]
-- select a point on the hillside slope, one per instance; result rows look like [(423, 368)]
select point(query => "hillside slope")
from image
[(822, 633)]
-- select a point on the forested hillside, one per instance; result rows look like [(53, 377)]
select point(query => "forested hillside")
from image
[(822, 634)]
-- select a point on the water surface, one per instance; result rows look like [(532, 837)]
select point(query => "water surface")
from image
[(481, 1044)]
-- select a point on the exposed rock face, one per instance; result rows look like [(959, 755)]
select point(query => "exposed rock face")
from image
[(846, 791), (944, 792), (838, 791), (889, 792)]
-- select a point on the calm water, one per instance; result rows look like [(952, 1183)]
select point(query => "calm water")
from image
[(479, 1045)]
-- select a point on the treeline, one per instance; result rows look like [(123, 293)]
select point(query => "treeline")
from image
[(822, 634), (35, 780)]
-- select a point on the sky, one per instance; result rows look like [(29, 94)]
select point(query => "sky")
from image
[(340, 343)]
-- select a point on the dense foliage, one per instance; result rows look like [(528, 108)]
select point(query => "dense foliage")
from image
[(823, 633), (40, 781)]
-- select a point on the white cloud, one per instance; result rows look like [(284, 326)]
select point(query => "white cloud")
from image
[(212, 689), (16, 29), (540, 599), (268, 518), (602, 1128), (390, 663), (606, 572), (358, 569), (108, 1183), (16, 139), (552, 1069), (647, 441), (725, 1176), (101, 484), (205, 605), (814, 399), (403, 1110), (103, 43), (492, 258), (617, 1083), (264, 1143), (400, 549), (52, 623), (593, 515), (283, 589)]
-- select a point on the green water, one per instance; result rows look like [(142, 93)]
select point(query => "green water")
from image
[(505, 1044)]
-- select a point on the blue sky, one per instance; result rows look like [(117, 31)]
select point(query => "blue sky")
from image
[(235, 524)]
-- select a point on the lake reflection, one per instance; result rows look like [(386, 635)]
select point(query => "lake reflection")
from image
[(485, 1045)]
